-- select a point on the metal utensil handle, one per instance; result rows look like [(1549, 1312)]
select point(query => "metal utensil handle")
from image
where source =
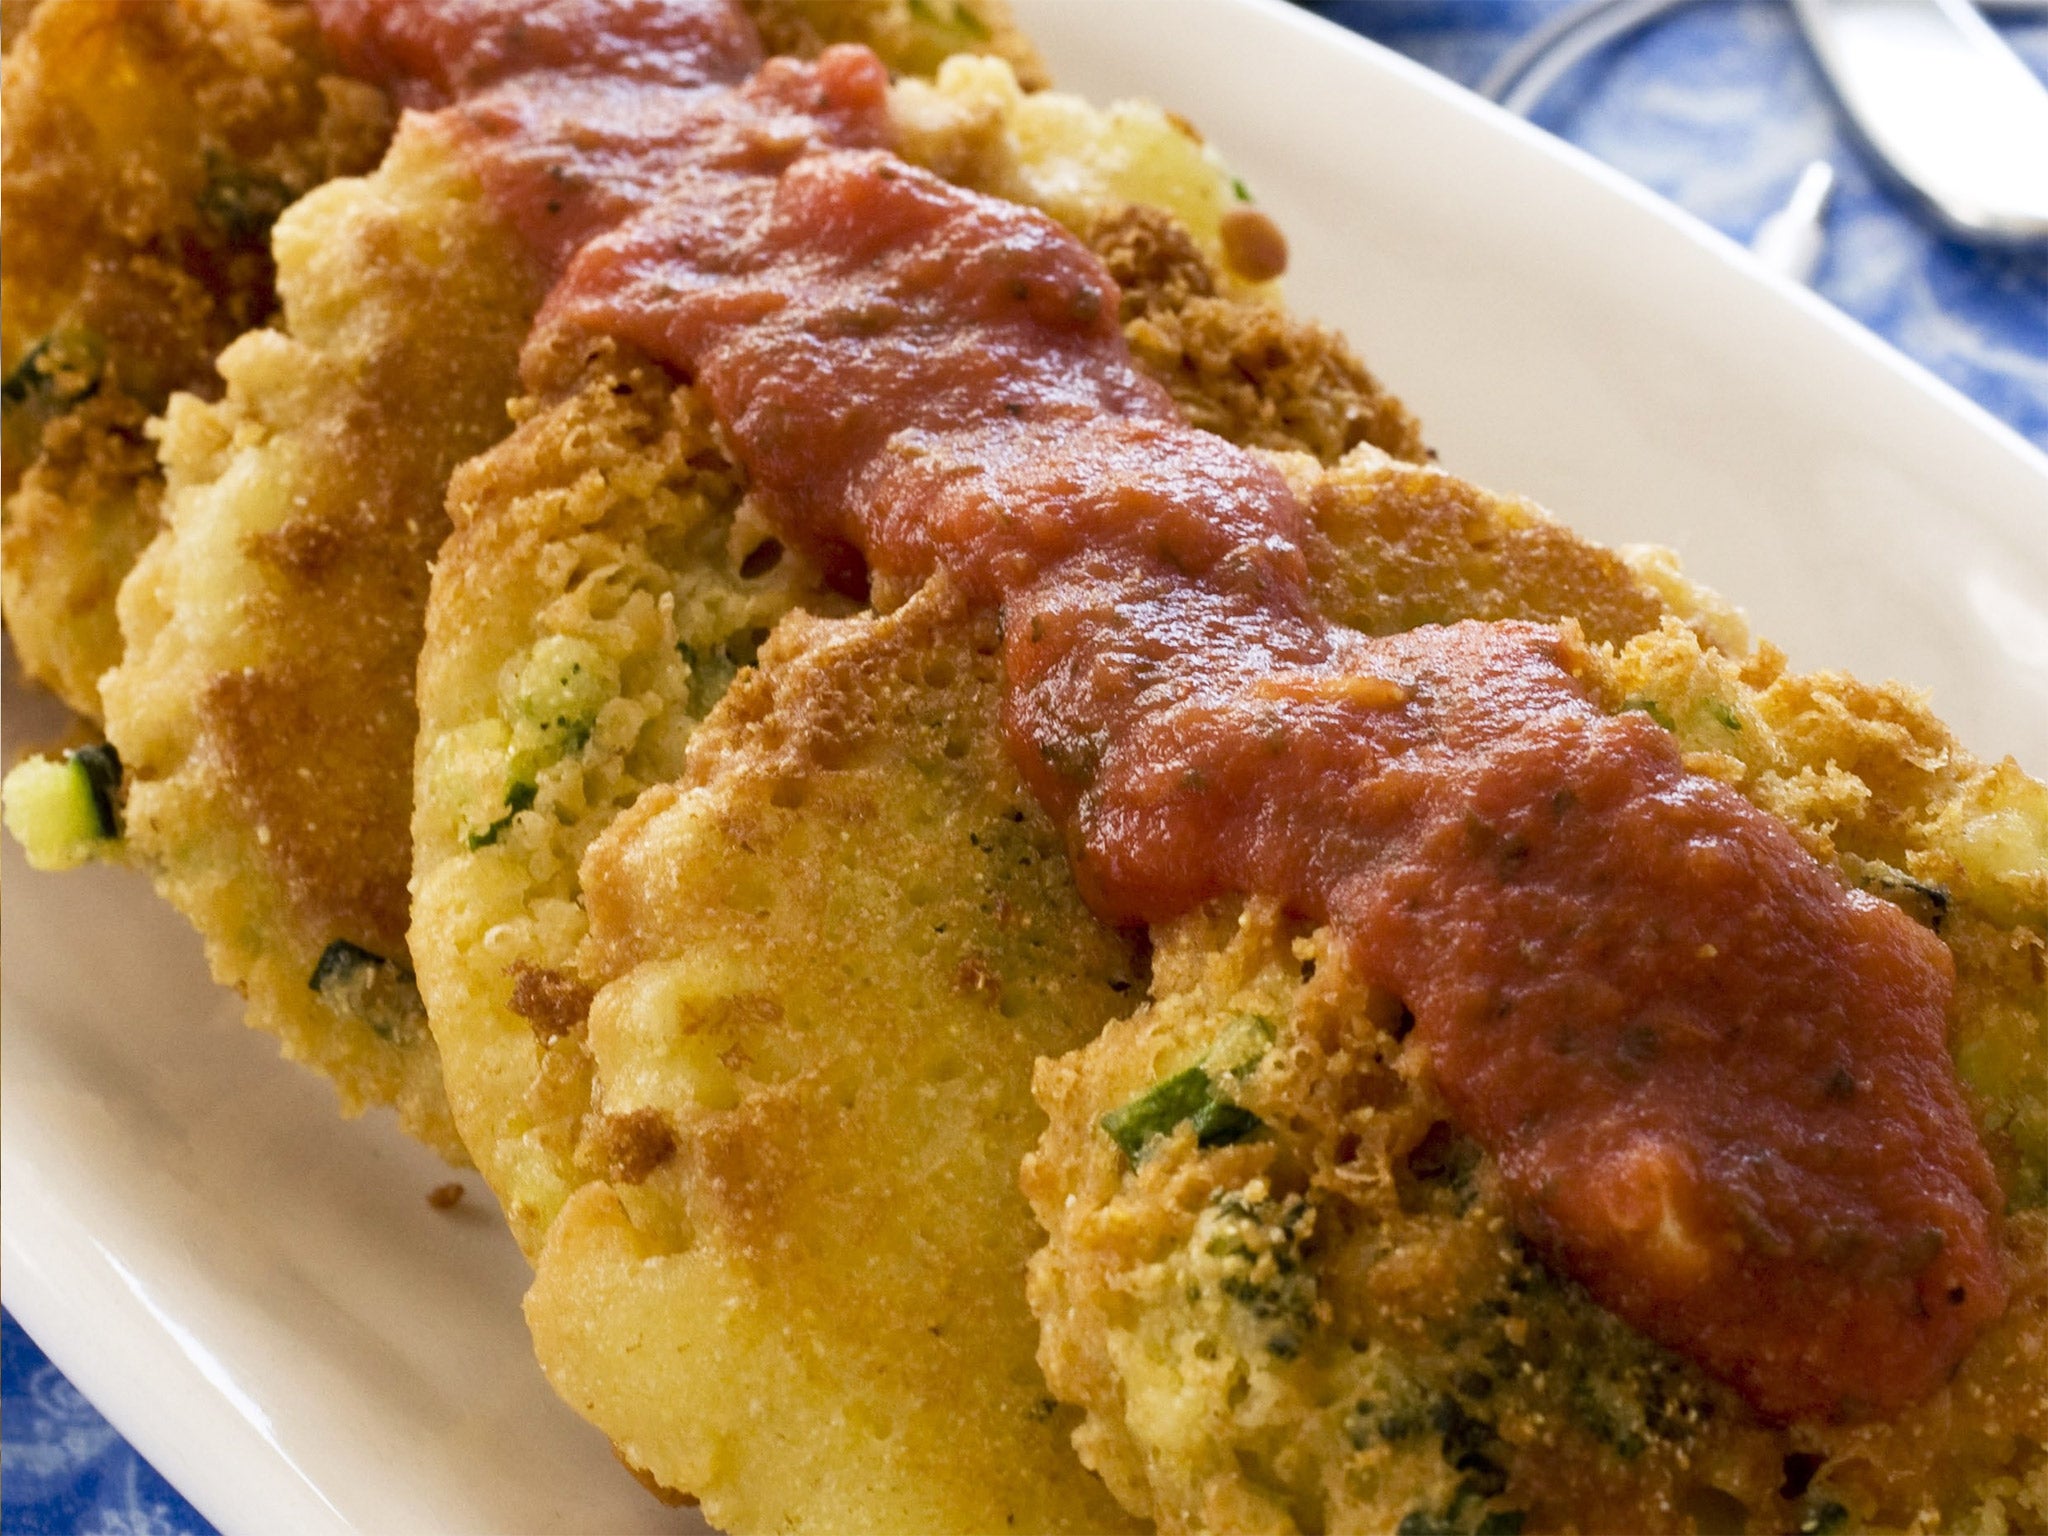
[(1945, 106)]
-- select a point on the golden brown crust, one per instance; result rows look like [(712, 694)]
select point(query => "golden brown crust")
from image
[(72, 529), (1243, 368), (264, 703), (1330, 1326), (841, 1110), (663, 1495), (631, 1146), (912, 36), (337, 852), (14, 15), (1406, 544), (148, 147), (555, 1004)]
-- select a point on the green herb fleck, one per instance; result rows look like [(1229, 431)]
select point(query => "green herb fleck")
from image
[(340, 962), (1924, 903), (1469, 1443), (519, 797), (1724, 713), (1188, 1097)]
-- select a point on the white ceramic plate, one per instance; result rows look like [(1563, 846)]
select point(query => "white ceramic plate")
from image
[(256, 1293)]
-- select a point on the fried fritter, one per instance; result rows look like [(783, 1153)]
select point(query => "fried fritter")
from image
[(809, 1095), (1323, 1321), (598, 594), (148, 148), (263, 708), (741, 1096), (750, 1136)]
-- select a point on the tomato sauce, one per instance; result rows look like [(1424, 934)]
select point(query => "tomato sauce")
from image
[(1715, 1080), (579, 113)]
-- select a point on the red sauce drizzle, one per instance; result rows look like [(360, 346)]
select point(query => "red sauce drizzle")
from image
[(1715, 1080)]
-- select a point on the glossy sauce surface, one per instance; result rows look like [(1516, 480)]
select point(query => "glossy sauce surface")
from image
[(1716, 1081)]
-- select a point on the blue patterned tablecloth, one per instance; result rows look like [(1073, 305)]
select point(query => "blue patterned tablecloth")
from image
[(1717, 108)]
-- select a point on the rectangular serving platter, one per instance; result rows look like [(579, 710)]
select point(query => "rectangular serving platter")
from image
[(256, 1293)]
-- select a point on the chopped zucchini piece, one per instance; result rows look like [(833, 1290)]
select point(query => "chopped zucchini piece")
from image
[(357, 983), (1998, 839), (65, 812), (1188, 1096), (100, 765), (339, 964)]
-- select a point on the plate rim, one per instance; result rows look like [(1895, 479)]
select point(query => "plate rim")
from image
[(58, 1273)]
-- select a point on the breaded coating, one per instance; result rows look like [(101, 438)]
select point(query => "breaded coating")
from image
[(1325, 1323), (1252, 373), (739, 1102), (14, 15), (600, 591), (609, 474), (264, 705), (975, 125), (147, 150), (912, 36), (1404, 545), (819, 1070)]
